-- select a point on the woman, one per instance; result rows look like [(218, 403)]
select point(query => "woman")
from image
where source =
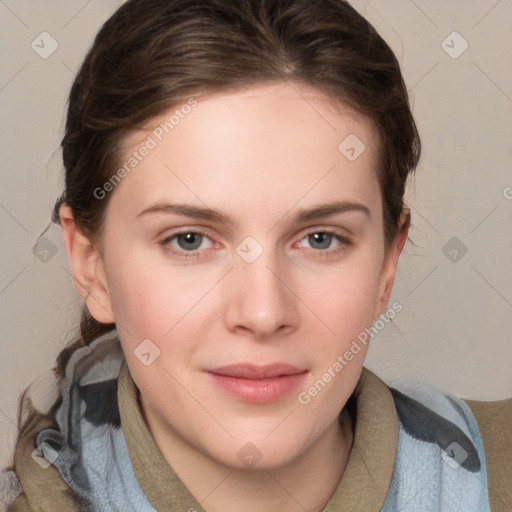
[(233, 215)]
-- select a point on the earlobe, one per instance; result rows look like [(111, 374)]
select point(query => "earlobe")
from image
[(388, 272), (87, 268)]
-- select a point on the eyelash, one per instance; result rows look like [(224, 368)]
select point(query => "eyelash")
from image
[(181, 254), (345, 243)]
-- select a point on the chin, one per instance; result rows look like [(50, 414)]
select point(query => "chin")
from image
[(258, 452)]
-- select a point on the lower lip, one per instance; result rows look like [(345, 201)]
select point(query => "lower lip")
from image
[(259, 391)]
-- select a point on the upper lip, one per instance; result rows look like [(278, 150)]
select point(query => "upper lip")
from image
[(251, 371)]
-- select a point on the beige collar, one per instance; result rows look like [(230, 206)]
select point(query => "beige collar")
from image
[(363, 486)]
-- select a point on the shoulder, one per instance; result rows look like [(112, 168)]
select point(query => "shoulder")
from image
[(20, 504), (12, 499), (494, 421), (428, 415), (441, 456), (63, 420)]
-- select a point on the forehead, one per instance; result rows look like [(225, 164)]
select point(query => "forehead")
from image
[(280, 142), (274, 106)]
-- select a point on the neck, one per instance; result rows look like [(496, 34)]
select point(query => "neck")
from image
[(305, 483)]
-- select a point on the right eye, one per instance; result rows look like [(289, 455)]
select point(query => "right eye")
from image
[(185, 244)]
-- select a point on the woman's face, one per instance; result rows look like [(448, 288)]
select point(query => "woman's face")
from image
[(248, 234)]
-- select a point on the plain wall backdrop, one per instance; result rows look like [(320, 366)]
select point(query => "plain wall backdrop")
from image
[(454, 283)]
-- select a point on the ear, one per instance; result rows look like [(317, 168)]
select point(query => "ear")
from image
[(87, 268), (388, 271)]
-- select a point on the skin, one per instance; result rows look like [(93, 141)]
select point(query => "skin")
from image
[(258, 155)]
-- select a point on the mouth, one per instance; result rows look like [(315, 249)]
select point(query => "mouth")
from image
[(258, 384)]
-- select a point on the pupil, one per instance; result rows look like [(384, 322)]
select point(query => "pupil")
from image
[(323, 239), (191, 240)]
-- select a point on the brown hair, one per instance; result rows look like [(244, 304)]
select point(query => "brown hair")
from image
[(151, 54)]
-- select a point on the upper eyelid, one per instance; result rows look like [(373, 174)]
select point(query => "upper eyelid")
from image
[(184, 231), (342, 234), (342, 238), (335, 231)]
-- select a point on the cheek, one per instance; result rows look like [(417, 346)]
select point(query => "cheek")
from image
[(151, 299), (345, 305), (346, 302), (347, 314), (138, 301), (143, 301)]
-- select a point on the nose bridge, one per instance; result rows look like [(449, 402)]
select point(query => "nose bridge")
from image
[(260, 300)]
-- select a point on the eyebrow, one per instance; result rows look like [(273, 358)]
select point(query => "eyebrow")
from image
[(329, 209), (194, 212), (303, 215)]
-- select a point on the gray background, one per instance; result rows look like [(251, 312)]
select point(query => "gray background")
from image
[(455, 327)]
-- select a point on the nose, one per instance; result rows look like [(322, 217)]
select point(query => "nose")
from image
[(260, 299)]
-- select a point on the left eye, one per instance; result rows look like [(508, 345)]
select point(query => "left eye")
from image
[(187, 241), (322, 239)]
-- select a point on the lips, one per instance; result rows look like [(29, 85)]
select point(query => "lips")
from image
[(253, 372), (258, 384)]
